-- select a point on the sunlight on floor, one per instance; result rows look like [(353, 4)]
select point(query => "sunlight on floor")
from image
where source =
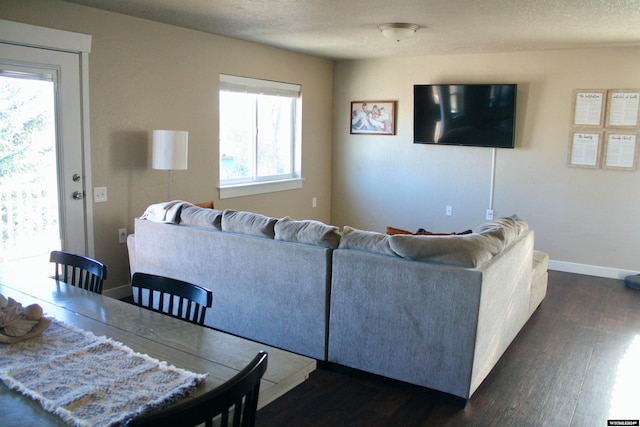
[(624, 399)]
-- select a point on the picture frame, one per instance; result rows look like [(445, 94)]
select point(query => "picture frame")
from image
[(620, 150), (623, 108), (585, 147), (588, 107), (373, 118)]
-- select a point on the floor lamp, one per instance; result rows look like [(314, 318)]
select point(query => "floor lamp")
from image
[(170, 152)]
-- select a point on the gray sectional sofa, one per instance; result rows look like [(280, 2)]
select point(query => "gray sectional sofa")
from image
[(436, 311)]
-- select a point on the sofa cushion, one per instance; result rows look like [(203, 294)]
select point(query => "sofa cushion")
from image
[(201, 217), (309, 232), (249, 223), (507, 228), (368, 241), (470, 250)]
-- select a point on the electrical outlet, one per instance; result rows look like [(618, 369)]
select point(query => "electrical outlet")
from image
[(314, 202), (449, 211), (122, 235), (489, 214)]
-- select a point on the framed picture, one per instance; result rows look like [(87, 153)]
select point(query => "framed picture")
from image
[(373, 117), (588, 107), (620, 150), (584, 149), (623, 108)]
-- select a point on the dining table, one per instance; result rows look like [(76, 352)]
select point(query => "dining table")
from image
[(182, 344)]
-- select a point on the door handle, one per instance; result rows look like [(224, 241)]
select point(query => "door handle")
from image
[(78, 195)]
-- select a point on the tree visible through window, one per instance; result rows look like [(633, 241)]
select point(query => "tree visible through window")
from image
[(258, 130), (29, 221)]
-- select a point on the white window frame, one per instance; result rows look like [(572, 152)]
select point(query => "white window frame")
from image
[(237, 188)]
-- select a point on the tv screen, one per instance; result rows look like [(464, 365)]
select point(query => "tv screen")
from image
[(479, 115)]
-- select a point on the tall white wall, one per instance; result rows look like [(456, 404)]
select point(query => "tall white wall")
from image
[(587, 220)]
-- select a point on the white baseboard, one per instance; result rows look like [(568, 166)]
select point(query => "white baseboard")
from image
[(120, 292), (590, 270)]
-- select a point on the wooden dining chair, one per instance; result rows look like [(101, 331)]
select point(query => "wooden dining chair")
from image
[(193, 300), (235, 402), (78, 270)]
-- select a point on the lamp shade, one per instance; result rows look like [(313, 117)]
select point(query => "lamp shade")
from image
[(170, 149)]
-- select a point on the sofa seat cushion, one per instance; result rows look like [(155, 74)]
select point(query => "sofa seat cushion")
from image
[(309, 232), (201, 217), (249, 223)]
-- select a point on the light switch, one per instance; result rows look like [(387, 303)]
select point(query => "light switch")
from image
[(100, 194)]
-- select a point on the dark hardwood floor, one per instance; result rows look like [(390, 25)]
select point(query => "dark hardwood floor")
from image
[(575, 363)]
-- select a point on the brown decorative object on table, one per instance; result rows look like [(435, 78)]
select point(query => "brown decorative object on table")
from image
[(18, 323)]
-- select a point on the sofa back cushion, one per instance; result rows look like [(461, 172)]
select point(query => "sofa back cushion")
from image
[(470, 250), (506, 228), (464, 250), (368, 241), (201, 217), (309, 232), (248, 223)]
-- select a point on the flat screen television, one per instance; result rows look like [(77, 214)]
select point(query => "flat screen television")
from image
[(477, 115)]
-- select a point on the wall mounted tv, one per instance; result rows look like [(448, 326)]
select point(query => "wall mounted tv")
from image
[(478, 115)]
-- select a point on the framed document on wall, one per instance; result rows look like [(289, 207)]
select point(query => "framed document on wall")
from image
[(585, 146), (620, 150), (588, 107), (623, 107)]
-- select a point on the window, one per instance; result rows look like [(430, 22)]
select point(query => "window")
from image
[(259, 136)]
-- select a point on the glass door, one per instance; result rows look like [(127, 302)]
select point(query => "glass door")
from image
[(41, 160), (30, 225)]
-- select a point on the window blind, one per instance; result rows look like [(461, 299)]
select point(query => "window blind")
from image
[(258, 87)]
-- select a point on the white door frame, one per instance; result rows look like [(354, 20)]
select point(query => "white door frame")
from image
[(80, 44)]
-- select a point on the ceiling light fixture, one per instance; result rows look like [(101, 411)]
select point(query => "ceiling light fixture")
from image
[(398, 31)]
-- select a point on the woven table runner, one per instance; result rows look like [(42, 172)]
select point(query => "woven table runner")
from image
[(88, 380)]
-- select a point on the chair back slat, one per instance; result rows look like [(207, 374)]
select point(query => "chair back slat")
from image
[(236, 400), (79, 271), (193, 300), (171, 304)]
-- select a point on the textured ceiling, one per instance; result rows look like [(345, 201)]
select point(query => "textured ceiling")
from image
[(345, 29)]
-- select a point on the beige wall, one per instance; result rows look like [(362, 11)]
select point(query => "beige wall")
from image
[(145, 76), (587, 220)]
